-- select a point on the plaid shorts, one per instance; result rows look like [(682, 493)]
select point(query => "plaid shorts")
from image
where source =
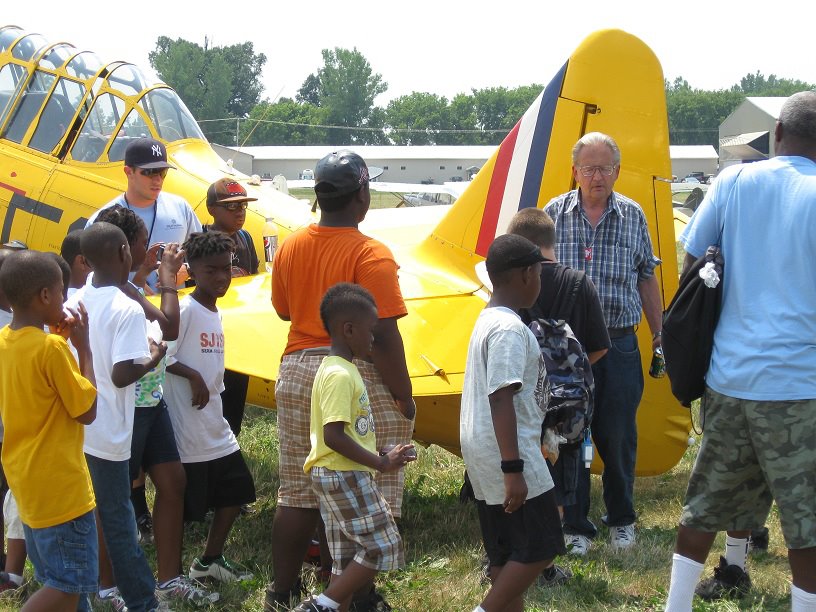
[(754, 452), (293, 395), (359, 524)]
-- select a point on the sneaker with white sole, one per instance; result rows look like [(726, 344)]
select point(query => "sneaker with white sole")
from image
[(182, 590), (112, 600), (219, 569), (576, 544), (622, 537), (554, 575)]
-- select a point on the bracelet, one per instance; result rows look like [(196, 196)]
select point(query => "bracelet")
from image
[(657, 334), (512, 466), (165, 289)]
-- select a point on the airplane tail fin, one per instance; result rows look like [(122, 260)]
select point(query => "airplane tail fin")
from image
[(612, 83)]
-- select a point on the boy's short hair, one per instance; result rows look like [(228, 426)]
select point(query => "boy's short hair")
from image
[(204, 244), (344, 300), (25, 273), (70, 248), (508, 252), (124, 218), (64, 268), (535, 225), (100, 242)]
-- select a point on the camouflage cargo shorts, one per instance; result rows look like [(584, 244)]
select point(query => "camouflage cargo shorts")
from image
[(754, 453)]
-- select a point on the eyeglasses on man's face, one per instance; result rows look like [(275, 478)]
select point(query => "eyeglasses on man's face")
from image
[(151, 172), (234, 206), (588, 171)]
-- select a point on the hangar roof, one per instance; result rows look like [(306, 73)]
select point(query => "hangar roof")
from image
[(372, 152), (692, 152)]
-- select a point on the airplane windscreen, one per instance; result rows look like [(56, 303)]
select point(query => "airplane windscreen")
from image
[(8, 36), (84, 65), (172, 119), (30, 103), (98, 128), (58, 115), (28, 46), (57, 56), (12, 77), (129, 80)]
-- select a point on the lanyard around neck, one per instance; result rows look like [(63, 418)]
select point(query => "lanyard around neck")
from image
[(153, 222)]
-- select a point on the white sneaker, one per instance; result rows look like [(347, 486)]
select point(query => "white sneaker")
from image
[(578, 545), (183, 590), (622, 537)]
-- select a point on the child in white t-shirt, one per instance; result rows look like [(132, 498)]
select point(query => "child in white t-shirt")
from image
[(217, 475), (121, 356)]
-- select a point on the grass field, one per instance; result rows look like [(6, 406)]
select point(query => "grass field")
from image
[(443, 549)]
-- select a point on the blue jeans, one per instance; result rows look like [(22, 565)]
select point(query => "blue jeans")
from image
[(618, 389), (66, 556), (111, 482)]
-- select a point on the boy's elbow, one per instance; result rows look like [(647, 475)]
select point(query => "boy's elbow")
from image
[(89, 416)]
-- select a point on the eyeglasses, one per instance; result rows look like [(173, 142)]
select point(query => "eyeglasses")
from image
[(590, 170), (233, 206), (151, 172)]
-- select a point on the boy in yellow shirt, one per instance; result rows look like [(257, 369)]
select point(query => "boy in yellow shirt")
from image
[(363, 537), (44, 403)]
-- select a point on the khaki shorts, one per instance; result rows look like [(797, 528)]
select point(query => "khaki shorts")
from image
[(293, 395), (753, 453), (359, 524)]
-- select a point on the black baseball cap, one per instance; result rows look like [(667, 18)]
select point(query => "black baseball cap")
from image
[(146, 153), (341, 173), (511, 251)]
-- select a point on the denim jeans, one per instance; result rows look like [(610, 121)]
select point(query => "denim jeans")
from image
[(66, 557), (111, 482), (618, 390)]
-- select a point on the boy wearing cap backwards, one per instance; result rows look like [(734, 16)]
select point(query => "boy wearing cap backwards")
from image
[(307, 263), (227, 203), (500, 430), (45, 400), (168, 217), (344, 453)]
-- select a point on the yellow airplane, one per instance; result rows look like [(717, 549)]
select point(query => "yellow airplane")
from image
[(66, 118)]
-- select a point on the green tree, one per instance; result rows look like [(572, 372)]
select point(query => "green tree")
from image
[(757, 85), (423, 113), (345, 87), (285, 122), (214, 82)]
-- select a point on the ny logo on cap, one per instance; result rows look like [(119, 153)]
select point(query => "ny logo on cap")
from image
[(157, 150)]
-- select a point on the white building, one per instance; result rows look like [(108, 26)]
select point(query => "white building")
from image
[(686, 159), (746, 135)]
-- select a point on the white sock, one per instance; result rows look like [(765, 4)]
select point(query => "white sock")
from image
[(685, 574), (478, 609), (322, 600), (802, 601), (18, 580), (736, 551), (105, 592)]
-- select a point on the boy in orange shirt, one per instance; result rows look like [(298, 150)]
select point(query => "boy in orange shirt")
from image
[(44, 402)]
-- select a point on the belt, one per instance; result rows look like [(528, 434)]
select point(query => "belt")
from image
[(317, 351), (620, 332)]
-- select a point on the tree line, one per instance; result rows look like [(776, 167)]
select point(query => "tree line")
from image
[(335, 105)]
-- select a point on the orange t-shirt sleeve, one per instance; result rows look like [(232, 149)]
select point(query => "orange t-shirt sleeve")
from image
[(279, 301), (377, 272)]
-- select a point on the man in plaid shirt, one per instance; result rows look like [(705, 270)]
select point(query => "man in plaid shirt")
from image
[(605, 234)]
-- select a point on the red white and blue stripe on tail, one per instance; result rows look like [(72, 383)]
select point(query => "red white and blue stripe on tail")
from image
[(516, 179)]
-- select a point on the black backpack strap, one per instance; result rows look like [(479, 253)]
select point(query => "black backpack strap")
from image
[(569, 301)]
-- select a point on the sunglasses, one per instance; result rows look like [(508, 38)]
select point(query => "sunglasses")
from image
[(233, 206), (151, 172)]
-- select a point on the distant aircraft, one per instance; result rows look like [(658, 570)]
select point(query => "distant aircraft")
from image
[(66, 118)]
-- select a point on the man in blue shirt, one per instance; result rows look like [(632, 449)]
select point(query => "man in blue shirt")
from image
[(760, 412), (605, 234)]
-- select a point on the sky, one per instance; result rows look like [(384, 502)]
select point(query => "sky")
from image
[(443, 47)]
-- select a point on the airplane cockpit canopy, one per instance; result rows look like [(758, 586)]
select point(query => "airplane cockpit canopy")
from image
[(68, 104)]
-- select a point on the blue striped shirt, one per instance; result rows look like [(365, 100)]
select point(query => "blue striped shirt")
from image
[(616, 255)]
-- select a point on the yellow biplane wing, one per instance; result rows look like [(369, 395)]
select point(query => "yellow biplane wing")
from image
[(66, 117)]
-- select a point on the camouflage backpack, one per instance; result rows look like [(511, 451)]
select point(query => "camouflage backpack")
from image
[(572, 386)]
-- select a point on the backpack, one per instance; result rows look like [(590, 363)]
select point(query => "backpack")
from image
[(572, 386)]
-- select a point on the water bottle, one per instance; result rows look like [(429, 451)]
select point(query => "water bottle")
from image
[(658, 367), (587, 451), (270, 242)]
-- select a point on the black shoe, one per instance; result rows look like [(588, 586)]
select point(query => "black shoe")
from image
[(145, 525), (311, 605), (759, 540), (282, 602), (728, 581)]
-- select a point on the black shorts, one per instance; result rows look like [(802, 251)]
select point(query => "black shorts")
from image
[(153, 439), (221, 483), (565, 474), (531, 534)]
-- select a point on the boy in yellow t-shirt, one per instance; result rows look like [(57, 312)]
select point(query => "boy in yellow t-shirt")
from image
[(44, 403), (363, 537)]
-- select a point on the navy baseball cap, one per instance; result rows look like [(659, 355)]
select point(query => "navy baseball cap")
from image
[(341, 173), (510, 251), (146, 153)]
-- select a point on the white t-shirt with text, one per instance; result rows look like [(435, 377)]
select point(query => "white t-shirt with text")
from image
[(201, 435), (502, 352)]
